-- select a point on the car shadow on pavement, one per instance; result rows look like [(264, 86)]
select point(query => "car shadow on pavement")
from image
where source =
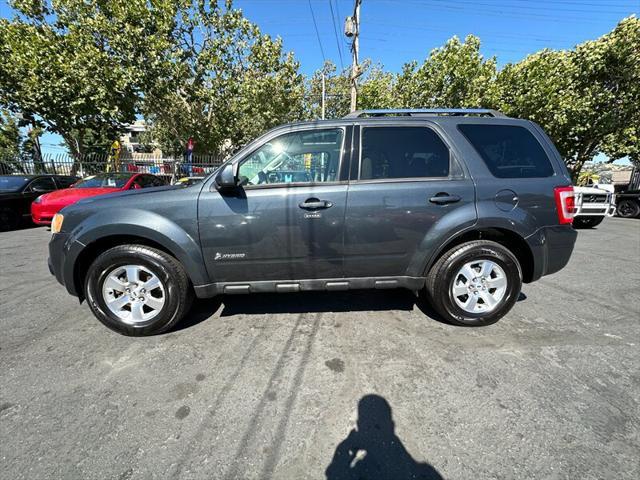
[(309, 302), (201, 310), (373, 450)]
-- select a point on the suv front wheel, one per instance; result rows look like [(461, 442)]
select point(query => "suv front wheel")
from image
[(474, 284), (137, 290)]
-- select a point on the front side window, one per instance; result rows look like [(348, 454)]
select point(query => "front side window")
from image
[(308, 156), (402, 152), (508, 151)]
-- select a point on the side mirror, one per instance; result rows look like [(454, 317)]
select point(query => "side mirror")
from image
[(136, 186), (39, 190), (226, 178)]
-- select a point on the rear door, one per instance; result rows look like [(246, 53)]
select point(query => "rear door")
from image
[(406, 181), (286, 222)]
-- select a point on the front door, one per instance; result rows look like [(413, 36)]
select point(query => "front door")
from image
[(406, 183), (286, 221)]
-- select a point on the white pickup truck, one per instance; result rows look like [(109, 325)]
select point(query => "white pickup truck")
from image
[(593, 204)]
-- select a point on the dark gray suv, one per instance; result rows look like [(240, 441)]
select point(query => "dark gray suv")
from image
[(464, 205)]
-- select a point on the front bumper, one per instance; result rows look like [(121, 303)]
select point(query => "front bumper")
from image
[(584, 207), (552, 247), (43, 214), (63, 252)]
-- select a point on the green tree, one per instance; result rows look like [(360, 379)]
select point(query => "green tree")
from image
[(375, 90), (10, 138), (60, 76), (223, 82), (455, 75), (586, 99), (337, 93)]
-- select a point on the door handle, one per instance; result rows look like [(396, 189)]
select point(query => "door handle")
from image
[(442, 198), (315, 204)]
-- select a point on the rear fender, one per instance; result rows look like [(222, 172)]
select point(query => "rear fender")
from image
[(447, 227)]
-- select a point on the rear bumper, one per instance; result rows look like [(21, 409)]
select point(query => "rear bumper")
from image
[(552, 248)]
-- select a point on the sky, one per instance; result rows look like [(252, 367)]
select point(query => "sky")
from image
[(394, 32)]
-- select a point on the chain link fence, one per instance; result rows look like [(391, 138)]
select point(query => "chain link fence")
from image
[(169, 168)]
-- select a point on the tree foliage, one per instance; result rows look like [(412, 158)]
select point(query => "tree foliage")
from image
[(10, 138), (455, 75), (223, 82), (198, 68), (61, 74), (586, 99)]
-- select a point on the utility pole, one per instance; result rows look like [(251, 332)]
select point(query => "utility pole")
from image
[(323, 96), (352, 29)]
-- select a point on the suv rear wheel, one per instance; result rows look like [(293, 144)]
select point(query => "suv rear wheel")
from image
[(137, 290), (474, 284)]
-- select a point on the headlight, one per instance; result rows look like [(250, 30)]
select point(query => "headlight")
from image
[(56, 223), (39, 199)]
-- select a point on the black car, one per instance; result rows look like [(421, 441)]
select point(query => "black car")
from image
[(463, 205), (18, 191)]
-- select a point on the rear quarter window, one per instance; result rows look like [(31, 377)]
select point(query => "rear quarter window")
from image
[(509, 151)]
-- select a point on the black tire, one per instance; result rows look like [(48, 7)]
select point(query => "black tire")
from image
[(587, 222), (9, 219), (176, 283), (442, 275), (628, 208)]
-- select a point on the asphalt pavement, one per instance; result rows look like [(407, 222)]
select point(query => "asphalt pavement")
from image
[(324, 385)]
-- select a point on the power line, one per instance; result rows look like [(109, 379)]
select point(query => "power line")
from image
[(345, 43), (493, 12), (335, 31), (315, 25)]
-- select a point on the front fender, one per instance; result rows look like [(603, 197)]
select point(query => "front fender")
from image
[(147, 225)]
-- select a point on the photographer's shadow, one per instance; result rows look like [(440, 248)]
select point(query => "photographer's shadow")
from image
[(373, 451)]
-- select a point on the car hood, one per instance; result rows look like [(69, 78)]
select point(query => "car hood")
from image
[(70, 195), (119, 196)]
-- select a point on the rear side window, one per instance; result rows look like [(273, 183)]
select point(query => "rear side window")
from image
[(509, 151), (402, 152)]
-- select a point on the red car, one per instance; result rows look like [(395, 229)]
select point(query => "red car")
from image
[(46, 206)]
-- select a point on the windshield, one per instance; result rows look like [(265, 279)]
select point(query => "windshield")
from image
[(10, 183), (107, 180)]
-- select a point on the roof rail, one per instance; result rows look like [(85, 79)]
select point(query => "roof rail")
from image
[(482, 112)]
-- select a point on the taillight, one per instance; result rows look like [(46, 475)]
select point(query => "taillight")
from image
[(565, 204)]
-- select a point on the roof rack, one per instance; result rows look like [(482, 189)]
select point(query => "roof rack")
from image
[(481, 112)]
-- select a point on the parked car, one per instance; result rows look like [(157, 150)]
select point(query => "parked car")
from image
[(463, 205), (18, 191), (46, 206), (628, 196), (593, 203)]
